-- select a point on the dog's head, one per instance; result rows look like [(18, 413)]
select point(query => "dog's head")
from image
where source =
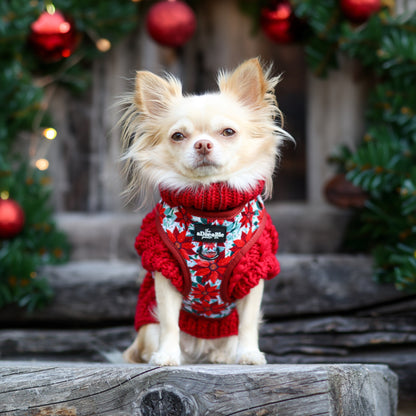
[(176, 141)]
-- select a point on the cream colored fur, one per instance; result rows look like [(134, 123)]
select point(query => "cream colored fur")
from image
[(164, 344), (162, 130)]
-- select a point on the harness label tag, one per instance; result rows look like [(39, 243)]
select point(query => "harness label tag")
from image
[(210, 233)]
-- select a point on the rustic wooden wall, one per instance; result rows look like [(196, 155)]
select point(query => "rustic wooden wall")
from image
[(323, 113), (84, 158)]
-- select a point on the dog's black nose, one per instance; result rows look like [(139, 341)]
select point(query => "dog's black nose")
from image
[(203, 147)]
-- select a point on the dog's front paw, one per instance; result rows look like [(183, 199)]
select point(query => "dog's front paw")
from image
[(131, 355), (164, 358), (251, 357)]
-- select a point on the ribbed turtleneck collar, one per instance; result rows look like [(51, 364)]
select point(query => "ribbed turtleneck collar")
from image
[(213, 198)]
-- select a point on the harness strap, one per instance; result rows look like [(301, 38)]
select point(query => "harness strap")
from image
[(208, 246)]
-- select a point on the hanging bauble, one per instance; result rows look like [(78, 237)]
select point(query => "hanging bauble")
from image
[(53, 36), (342, 193), (171, 23), (359, 11), (12, 218), (279, 22)]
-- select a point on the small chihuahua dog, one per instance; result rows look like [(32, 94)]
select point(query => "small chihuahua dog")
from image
[(209, 244)]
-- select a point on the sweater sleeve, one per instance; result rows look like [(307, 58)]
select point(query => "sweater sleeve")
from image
[(146, 303), (156, 257), (259, 262)]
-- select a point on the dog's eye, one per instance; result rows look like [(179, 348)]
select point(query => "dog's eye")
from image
[(228, 132), (177, 136)]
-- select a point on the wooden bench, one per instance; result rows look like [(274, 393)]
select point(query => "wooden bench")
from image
[(37, 389)]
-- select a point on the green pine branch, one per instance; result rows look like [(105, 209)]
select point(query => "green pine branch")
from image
[(23, 77), (384, 163)]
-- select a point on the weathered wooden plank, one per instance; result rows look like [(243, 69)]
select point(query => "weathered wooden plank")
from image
[(344, 394), (85, 293), (401, 361), (94, 291), (326, 284), (91, 345), (347, 325), (318, 340), (44, 389), (334, 336)]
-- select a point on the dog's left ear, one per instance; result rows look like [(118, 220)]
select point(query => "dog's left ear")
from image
[(247, 83), (153, 94)]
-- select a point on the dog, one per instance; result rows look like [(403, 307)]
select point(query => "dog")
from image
[(209, 244)]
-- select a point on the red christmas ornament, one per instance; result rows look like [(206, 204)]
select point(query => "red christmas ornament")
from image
[(342, 193), (279, 22), (171, 23), (359, 11), (53, 36), (12, 218)]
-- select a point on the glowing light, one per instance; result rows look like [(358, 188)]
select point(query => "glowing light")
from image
[(42, 164), (282, 12), (64, 27), (4, 195), (66, 53), (49, 133), (50, 8), (103, 45)]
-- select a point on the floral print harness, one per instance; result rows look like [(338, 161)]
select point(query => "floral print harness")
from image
[(208, 245)]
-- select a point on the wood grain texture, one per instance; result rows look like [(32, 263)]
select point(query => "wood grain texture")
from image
[(307, 390), (319, 340)]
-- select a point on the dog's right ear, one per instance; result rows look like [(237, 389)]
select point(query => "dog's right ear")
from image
[(248, 83), (153, 94)]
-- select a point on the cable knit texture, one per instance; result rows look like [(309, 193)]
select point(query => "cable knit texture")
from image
[(258, 263), (214, 198)]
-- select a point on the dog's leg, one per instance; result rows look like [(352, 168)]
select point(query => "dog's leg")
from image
[(145, 344), (169, 302), (249, 318)]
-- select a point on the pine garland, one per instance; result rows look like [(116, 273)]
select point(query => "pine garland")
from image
[(23, 77), (384, 163)]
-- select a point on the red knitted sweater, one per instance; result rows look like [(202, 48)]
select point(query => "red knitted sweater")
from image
[(259, 262)]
